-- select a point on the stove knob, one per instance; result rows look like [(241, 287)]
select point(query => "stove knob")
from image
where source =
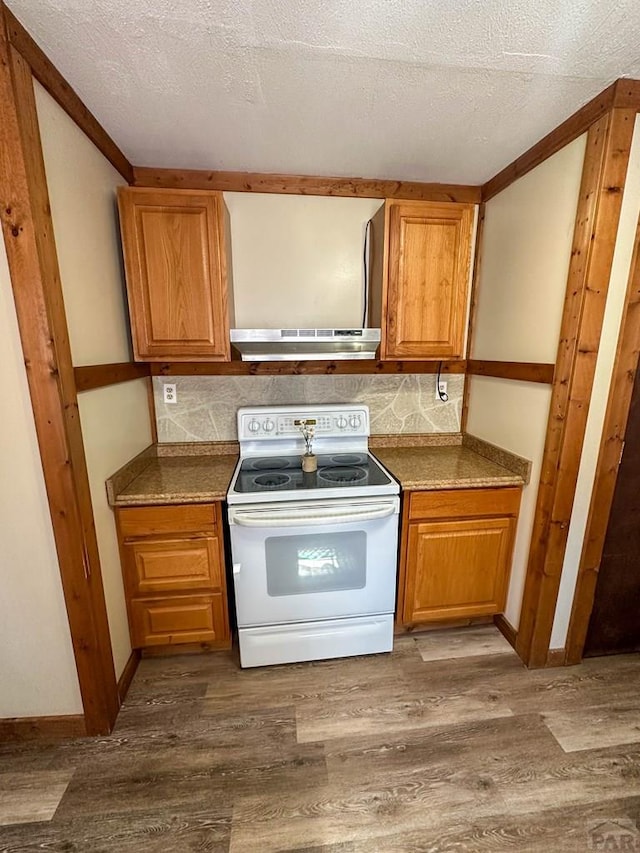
[(268, 425), (341, 422), (254, 425), (355, 421)]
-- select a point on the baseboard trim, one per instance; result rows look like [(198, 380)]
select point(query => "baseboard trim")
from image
[(557, 657), (42, 728), (124, 682), (506, 629), (443, 625), (185, 649)]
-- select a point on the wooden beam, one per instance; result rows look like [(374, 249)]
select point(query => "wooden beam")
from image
[(556, 657), (92, 376), (33, 266), (627, 94), (473, 311), (603, 178), (48, 76), (571, 129), (524, 371), (294, 368), (611, 447), (256, 182)]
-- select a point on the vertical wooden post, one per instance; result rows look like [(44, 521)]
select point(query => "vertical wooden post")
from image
[(603, 178), (610, 455), (28, 234), (473, 312)]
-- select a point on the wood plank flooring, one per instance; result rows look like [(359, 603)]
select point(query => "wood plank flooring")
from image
[(432, 748)]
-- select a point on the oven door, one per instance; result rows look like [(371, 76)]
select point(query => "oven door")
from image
[(308, 561)]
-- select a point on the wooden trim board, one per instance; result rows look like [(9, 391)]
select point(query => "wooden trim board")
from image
[(152, 410), (48, 76), (610, 455), (623, 94), (289, 368), (473, 310), (35, 278), (556, 657), (163, 650), (126, 677), (506, 629), (604, 174), (523, 371), (93, 376), (571, 129), (626, 93), (42, 728), (256, 182)]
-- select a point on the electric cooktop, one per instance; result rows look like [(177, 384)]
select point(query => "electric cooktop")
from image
[(284, 473)]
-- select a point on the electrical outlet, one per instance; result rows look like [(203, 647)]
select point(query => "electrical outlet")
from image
[(441, 391), (170, 393)]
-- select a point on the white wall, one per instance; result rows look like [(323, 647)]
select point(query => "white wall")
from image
[(599, 397), (82, 186), (115, 420), (513, 415), (37, 668), (297, 260), (115, 426), (526, 250)]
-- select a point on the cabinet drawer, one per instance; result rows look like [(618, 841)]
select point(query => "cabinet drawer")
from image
[(181, 619), (173, 565), (458, 503), (152, 520)]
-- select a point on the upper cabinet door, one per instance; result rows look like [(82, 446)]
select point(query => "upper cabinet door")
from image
[(428, 265), (176, 267)]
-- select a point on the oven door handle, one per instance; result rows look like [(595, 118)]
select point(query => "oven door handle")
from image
[(304, 519)]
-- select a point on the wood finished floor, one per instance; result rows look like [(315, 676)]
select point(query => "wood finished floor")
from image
[(400, 753)]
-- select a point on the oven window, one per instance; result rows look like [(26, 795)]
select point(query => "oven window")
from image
[(316, 563)]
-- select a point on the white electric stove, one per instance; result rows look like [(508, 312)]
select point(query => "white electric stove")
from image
[(314, 554)]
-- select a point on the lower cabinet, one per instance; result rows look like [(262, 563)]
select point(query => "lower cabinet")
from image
[(457, 547), (173, 568)]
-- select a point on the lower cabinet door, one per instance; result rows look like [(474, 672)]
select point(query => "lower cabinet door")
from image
[(457, 568), (181, 619)]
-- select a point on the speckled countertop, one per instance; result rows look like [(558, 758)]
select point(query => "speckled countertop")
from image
[(454, 467), (199, 473), (174, 475)]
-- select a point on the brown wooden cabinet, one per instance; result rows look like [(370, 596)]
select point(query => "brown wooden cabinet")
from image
[(420, 267), (173, 568), (178, 269), (457, 547)]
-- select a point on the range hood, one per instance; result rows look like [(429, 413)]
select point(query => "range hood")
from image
[(305, 344)]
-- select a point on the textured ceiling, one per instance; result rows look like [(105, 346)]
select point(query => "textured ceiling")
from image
[(432, 90)]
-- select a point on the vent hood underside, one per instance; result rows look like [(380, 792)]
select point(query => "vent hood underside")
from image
[(305, 344)]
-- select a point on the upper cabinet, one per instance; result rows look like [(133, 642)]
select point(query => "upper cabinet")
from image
[(420, 269), (178, 270)]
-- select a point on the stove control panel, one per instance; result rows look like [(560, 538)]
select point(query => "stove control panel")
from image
[(283, 422)]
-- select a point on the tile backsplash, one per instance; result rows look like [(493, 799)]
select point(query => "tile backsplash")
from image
[(207, 405)]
